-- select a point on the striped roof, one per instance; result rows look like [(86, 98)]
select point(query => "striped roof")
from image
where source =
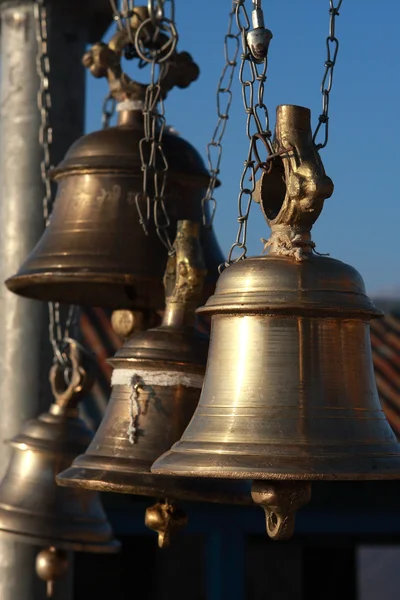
[(385, 337)]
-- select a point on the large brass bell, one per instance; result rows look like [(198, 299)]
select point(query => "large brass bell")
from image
[(156, 385), (95, 250), (289, 394), (33, 508)]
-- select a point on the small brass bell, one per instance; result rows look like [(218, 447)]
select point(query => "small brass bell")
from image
[(289, 394), (92, 252), (33, 509), (156, 383)]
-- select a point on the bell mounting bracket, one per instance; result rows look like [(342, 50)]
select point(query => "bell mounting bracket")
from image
[(104, 60), (293, 186), (184, 276)]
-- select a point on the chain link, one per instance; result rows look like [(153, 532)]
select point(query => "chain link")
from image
[(332, 46), (58, 330), (252, 78), (224, 101), (44, 103), (108, 111), (153, 159), (122, 17)]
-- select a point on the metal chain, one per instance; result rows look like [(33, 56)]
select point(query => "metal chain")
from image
[(224, 101), (59, 332), (332, 46), (123, 15), (252, 77), (153, 159), (44, 103), (121, 18), (109, 107)]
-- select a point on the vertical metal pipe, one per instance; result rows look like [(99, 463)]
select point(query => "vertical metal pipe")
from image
[(24, 348), (21, 321)]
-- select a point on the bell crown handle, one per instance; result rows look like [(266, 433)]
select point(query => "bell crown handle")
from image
[(68, 395), (184, 276), (104, 60), (294, 185)]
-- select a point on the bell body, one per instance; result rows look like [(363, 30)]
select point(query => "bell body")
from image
[(33, 508), (94, 251), (119, 462), (289, 390)]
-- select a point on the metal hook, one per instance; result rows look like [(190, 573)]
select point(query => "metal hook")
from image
[(67, 393)]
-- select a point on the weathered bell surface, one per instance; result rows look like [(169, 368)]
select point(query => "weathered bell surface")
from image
[(95, 251), (33, 508), (289, 393), (156, 383)]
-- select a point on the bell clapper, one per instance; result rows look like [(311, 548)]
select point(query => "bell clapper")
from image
[(51, 565), (166, 519), (280, 501)]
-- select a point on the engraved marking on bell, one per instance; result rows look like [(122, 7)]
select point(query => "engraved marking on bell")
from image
[(280, 501), (112, 195), (166, 519), (292, 193)]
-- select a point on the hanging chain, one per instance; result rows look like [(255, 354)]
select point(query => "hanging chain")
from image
[(59, 335), (153, 159), (252, 75), (44, 102), (109, 107), (332, 46), (121, 17), (224, 101)]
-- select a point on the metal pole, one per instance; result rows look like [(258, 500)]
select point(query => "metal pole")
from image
[(24, 349), (21, 321)]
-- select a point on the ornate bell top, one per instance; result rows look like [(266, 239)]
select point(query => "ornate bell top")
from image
[(281, 284), (117, 149), (54, 433), (60, 430), (175, 341), (292, 278)]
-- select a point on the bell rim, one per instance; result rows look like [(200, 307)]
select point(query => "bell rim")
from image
[(112, 546), (74, 477), (41, 285), (175, 463)]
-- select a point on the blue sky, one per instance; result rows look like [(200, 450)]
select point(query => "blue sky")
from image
[(360, 223)]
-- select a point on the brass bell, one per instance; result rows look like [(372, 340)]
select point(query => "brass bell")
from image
[(33, 509), (289, 395), (95, 250), (156, 385)]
